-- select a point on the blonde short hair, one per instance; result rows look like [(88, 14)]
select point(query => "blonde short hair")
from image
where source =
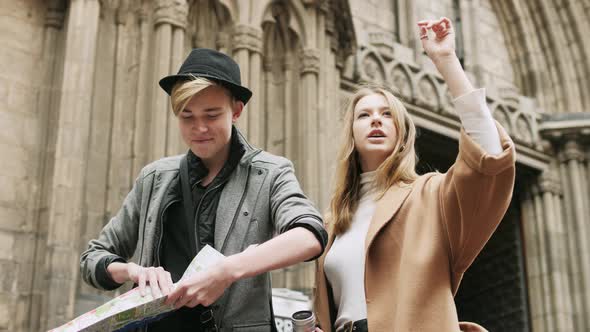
[(182, 92)]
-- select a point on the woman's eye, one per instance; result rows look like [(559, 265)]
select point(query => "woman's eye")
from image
[(363, 115), (388, 113), (186, 115)]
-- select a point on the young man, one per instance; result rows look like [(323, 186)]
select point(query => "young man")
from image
[(224, 193)]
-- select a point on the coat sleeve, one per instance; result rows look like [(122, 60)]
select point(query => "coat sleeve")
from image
[(474, 196), (290, 208), (116, 241)]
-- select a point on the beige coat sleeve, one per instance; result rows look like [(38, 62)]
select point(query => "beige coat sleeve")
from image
[(474, 196)]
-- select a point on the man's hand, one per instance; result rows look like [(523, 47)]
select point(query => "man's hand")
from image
[(203, 287), (159, 280)]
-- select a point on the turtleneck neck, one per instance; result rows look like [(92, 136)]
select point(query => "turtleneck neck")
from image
[(367, 183)]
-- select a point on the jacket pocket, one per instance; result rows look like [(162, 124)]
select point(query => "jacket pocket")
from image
[(260, 326)]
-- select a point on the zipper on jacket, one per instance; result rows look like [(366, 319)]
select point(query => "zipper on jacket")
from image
[(144, 223), (233, 222), (161, 231)]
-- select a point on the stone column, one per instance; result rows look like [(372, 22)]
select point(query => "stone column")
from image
[(54, 21), (175, 143), (545, 320), (308, 123), (552, 239), (66, 207), (169, 15), (247, 51), (255, 112), (142, 102), (572, 158), (290, 113), (534, 259)]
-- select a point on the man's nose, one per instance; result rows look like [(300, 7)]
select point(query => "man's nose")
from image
[(200, 126)]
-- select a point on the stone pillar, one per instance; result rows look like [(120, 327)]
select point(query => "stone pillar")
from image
[(556, 242), (308, 123), (531, 223), (471, 31), (66, 207), (290, 120), (35, 275), (175, 143), (144, 85), (247, 51), (169, 16), (572, 158)]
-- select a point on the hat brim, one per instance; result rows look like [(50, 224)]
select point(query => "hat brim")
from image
[(239, 92)]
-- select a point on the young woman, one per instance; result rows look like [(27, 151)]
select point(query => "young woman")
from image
[(399, 243)]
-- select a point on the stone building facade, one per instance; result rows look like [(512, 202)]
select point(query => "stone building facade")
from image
[(81, 113)]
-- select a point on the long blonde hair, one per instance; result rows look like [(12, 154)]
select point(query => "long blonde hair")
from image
[(399, 166)]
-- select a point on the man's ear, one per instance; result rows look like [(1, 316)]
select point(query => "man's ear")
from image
[(238, 107)]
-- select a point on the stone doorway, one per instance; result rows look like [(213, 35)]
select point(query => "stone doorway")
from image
[(493, 291)]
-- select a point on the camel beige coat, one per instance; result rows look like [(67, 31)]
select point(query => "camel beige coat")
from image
[(423, 237)]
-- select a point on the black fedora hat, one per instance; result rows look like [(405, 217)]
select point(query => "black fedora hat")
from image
[(211, 64)]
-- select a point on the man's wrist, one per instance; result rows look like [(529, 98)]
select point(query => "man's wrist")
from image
[(118, 271), (234, 267)]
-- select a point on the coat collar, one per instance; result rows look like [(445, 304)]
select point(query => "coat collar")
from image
[(387, 207)]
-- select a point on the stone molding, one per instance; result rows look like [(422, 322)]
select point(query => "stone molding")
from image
[(310, 61), (247, 37), (414, 85), (173, 12)]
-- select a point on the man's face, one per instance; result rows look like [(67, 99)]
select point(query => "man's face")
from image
[(206, 123)]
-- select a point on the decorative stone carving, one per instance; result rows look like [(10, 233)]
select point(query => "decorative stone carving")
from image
[(173, 12), (55, 14), (549, 182), (523, 130), (501, 115), (247, 37), (371, 69), (310, 61), (572, 150), (402, 82), (427, 93)]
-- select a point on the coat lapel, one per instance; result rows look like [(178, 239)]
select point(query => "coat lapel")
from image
[(386, 208), (230, 200)]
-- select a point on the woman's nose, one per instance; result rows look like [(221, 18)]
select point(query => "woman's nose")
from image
[(376, 119)]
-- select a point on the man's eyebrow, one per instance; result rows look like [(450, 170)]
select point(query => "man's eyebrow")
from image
[(213, 109)]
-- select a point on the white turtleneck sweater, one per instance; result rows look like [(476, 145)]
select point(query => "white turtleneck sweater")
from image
[(345, 262)]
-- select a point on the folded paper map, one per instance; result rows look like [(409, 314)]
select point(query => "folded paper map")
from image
[(132, 310)]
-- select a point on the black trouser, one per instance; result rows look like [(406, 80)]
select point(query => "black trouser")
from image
[(198, 319), (358, 326)]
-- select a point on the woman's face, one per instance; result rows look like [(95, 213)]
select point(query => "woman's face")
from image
[(373, 131)]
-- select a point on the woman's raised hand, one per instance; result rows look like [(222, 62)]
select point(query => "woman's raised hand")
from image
[(440, 43)]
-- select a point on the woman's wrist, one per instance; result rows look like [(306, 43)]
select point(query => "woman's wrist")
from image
[(452, 72)]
